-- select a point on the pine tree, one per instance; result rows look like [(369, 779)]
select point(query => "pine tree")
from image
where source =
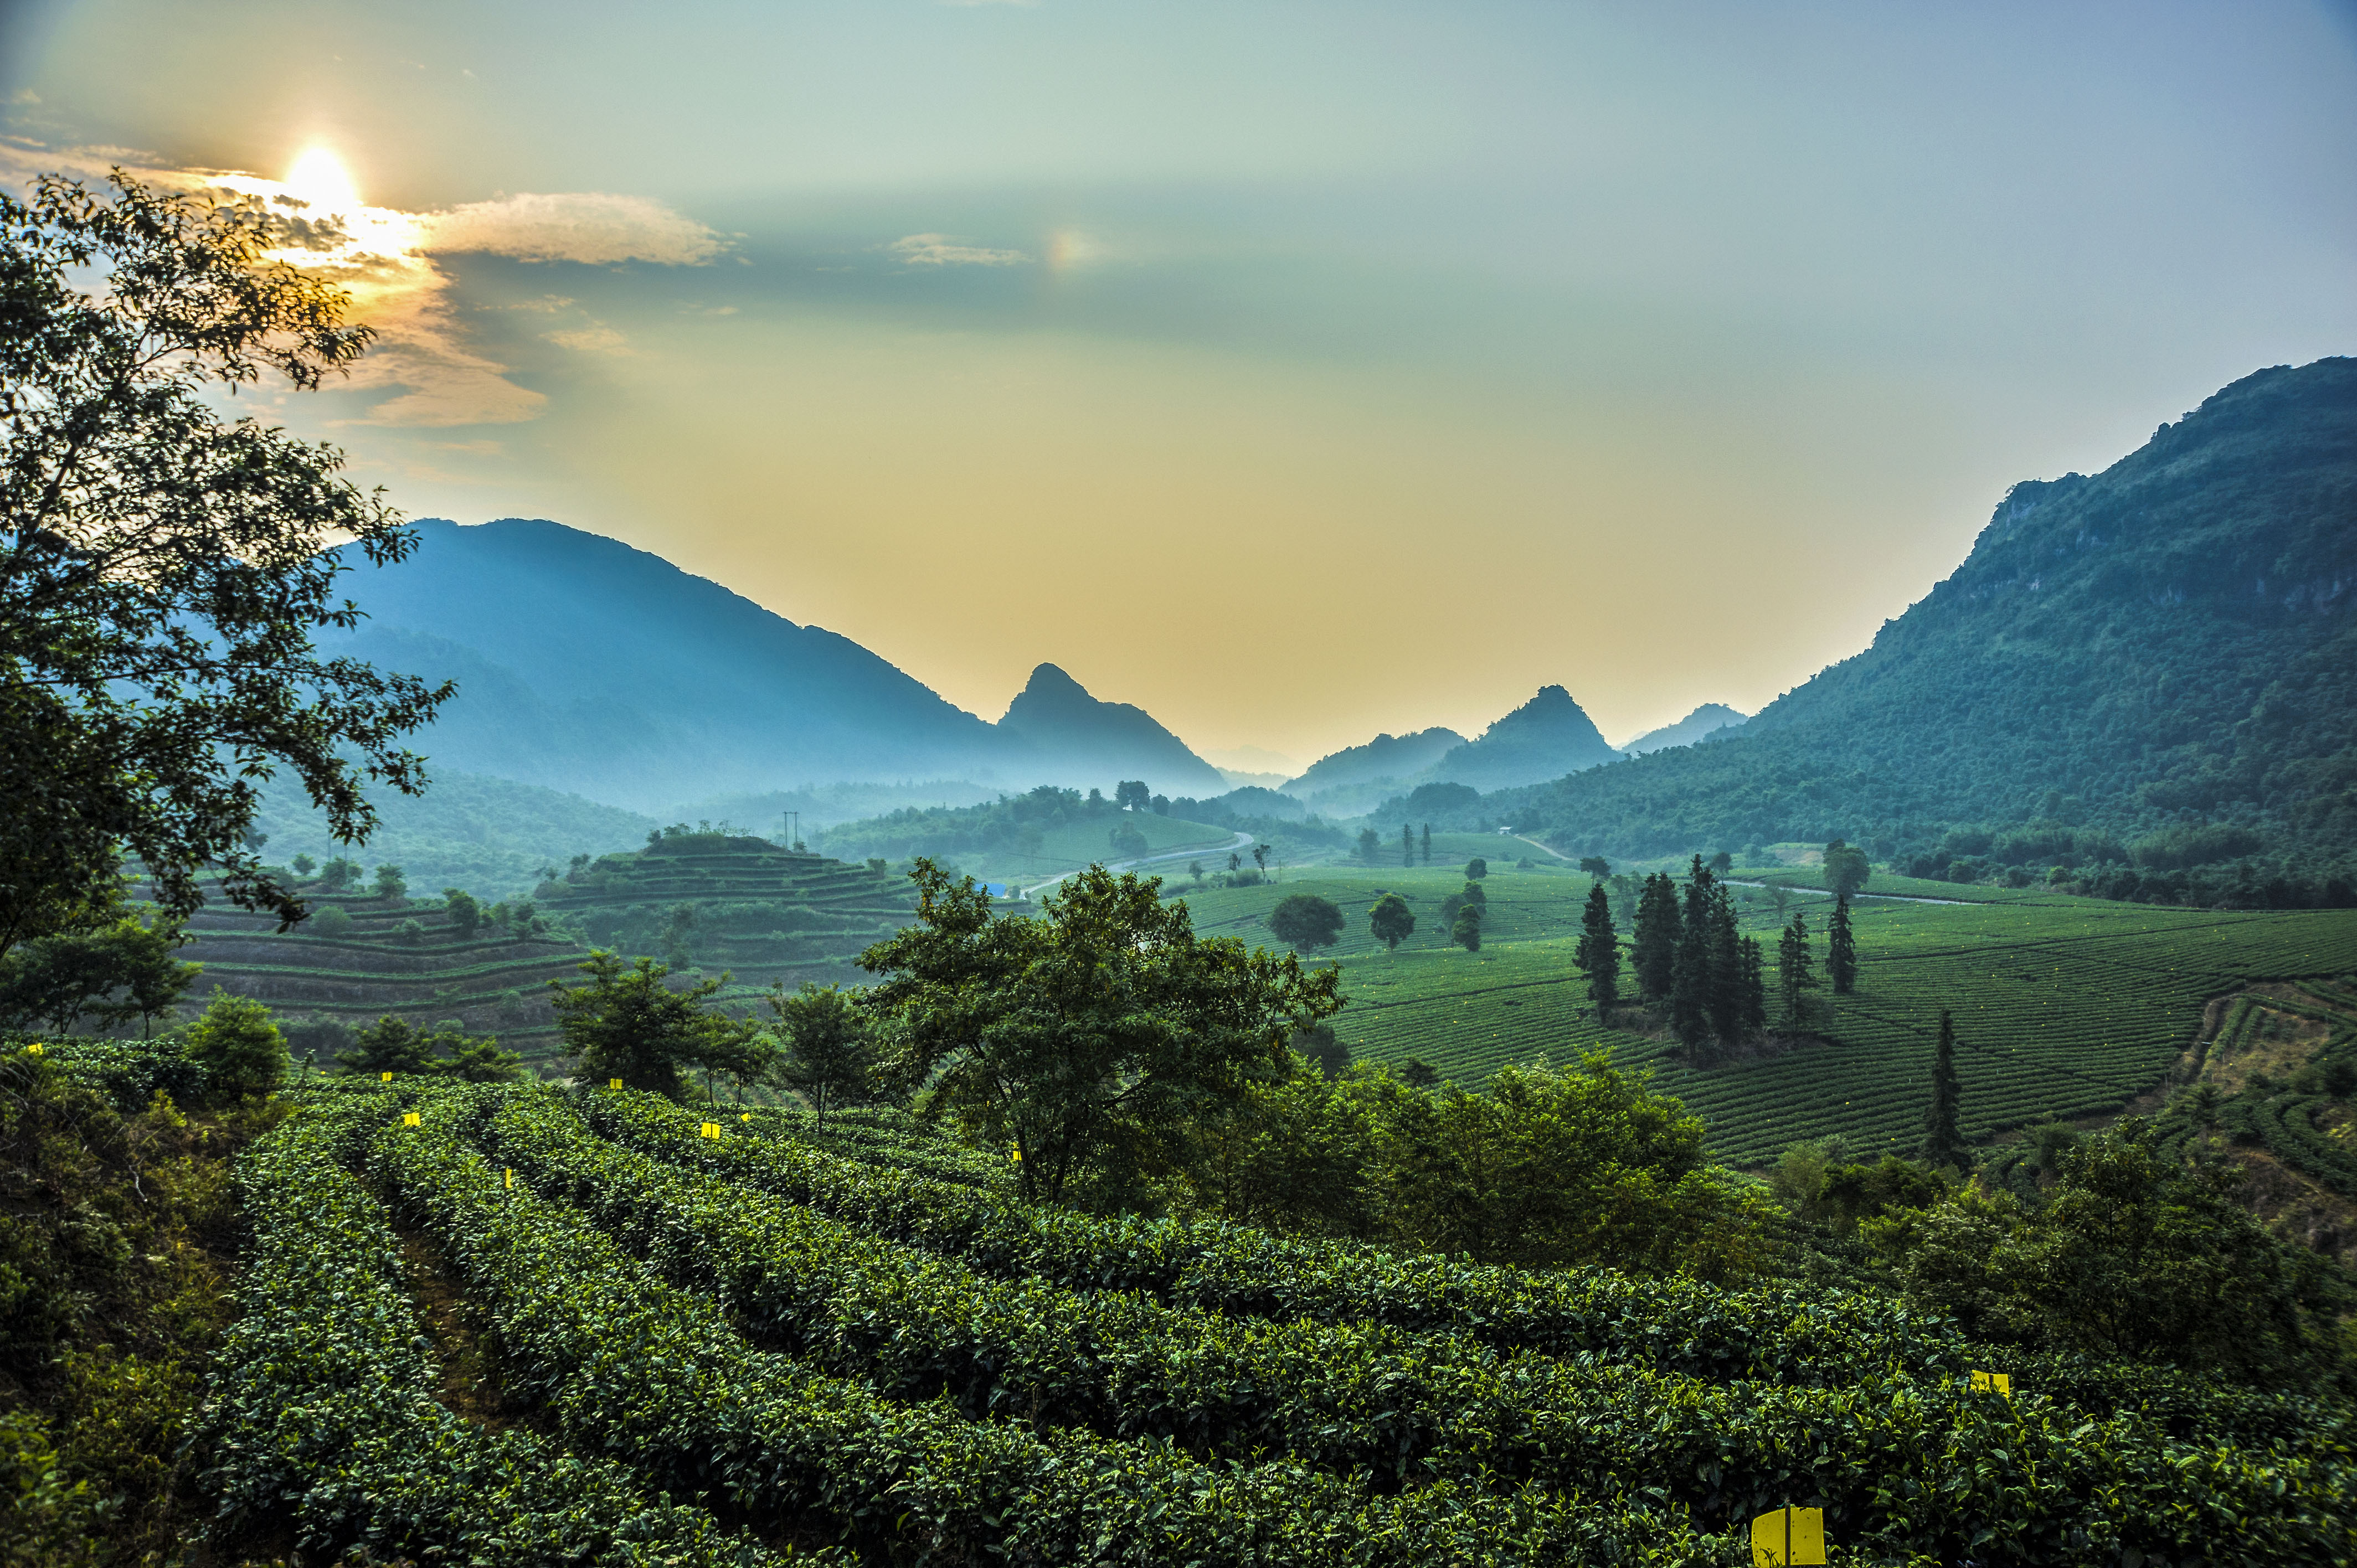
[(1690, 983), (1840, 950), (1655, 956), (1728, 1000), (1599, 955), (1943, 1143), (1427, 844), (1794, 974), (1407, 845), (1755, 988)]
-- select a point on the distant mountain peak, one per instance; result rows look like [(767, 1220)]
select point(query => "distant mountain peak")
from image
[(1084, 737), (1704, 721), (1546, 738)]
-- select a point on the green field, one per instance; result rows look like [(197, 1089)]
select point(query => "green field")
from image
[(2064, 1006)]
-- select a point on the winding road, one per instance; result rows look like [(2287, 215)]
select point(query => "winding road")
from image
[(1241, 842)]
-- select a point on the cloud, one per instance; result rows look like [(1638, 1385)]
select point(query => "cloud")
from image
[(385, 258), (590, 339), (939, 251), (595, 227)]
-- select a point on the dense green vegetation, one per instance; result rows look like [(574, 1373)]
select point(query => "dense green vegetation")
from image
[(493, 837), (1025, 838)]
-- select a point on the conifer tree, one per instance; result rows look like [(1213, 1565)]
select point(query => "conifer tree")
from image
[(1729, 998), (1755, 988), (1796, 973), (1427, 844), (1407, 845), (1943, 1143), (1840, 950), (1599, 955), (1691, 992), (1656, 952)]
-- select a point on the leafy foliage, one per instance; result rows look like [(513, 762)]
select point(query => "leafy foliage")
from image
[(163, 571), (1083, 1037)]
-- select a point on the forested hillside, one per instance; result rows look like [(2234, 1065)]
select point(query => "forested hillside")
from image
[(2165, 649)]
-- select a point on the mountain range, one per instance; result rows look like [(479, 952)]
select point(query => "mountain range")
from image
[(586, 666), (2165, 651), (1704, 722)]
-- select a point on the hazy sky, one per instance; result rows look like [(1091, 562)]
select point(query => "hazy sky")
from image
[(1296, 371)]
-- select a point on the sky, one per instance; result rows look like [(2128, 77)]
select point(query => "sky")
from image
[(1294, 372)]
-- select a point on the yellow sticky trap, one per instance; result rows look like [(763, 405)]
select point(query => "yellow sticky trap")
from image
[(2002, 1382), (1016, 1155), (409, 1119), (1788, 1536), (613, 1083), (34, 1049), (711, 1129), (510, 1179), (748, 1116), (387, 1079)]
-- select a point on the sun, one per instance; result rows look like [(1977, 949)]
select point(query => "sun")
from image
[(320, 178)]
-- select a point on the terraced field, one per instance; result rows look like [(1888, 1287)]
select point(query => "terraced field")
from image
[(754, 910), (2064, 1006)]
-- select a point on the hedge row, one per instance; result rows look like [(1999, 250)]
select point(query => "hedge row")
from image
[(320, 1412), (1775, 1334), (917, 1152), (1927, 1468), (656, 1377)]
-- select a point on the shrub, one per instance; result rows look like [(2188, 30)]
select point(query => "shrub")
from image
[(238, 1047)]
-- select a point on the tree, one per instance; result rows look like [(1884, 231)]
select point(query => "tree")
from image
[(1753, 966), (630, 1024), (389, 1045), (113, 975), (1465, 930), (1654, 955), (339, 873), (2129, 1256), (1235, 860), (1195, 870), (1127, 841), (1943, 1145), (1845, 868), (390, 885), (304, 864), (465, 913), (1795, 975), (1598, 954), (1370, 844), (1692, 991), (826, 1054), (1160, 805), (1391, 921), (1595, 865), (1476, 869), (1407, 844), (1086, 1036), (1722, 862), (1425, 853), (1305, 920), (238, 1046), (163, 569), (1260, 856), (394, 1044), (1132, 795), (1840, 950)]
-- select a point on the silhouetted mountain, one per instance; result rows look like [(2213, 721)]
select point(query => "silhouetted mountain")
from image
[(1080, 738), (1703, 720), (2167, 648), (588, 666), (1546, 737), (1385, 756)]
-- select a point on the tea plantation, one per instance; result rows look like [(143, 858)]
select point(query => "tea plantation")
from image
[(765, 1346)]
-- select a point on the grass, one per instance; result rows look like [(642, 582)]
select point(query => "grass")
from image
[(2064, 1006)]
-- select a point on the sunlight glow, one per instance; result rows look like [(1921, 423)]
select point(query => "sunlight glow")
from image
[(320, 178)]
